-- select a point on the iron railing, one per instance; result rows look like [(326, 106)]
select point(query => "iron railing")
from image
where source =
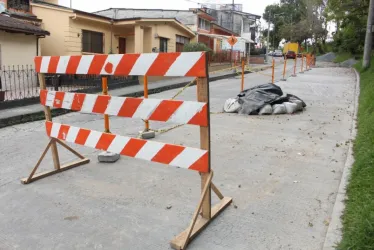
[(225, 56), (21, 82)]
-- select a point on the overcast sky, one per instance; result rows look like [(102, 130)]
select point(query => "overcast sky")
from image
[(251, 6)]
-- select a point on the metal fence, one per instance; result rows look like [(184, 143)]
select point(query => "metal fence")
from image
[(225, 56), (21, 82)]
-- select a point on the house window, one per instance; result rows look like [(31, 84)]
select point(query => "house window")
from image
[(92, 42), (180, 42), (204, 24), (163, 44), (23, 5)]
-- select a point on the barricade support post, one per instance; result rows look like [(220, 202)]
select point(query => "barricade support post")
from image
[(193, 64), (294, 67), (284, 69), (243, 68), (302, 63), (104, 81), (272, 71)]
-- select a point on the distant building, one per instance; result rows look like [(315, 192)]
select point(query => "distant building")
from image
[(75, 32), (204, 25)]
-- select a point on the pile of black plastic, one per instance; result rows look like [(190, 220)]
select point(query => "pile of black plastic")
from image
[(264, 99)]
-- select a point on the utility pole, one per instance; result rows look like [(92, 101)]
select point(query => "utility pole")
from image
[(232, 14), (369, 36)]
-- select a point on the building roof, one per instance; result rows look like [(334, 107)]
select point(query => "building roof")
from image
[(224, 29), (114, 18), (11, 24)]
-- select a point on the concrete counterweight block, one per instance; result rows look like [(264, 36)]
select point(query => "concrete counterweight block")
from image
[(108, 157)]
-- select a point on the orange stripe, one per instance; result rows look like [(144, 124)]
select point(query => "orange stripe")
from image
[(64, 130), (82, 136), (105, 141), (73, 64), (48, 127), (162, 64), (78, 101), (97, 64), (165, 110), (133, 147), (200, 118), (201, 164), (59, 98), (43, 96), (52, 67), (129, 106), (126, 64), (101, 104), (199, 69), (168, 153), (38, 63)]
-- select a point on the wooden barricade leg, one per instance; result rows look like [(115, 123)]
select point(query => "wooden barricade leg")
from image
[(208, 212), (146, 133), (104, 80), (53, 146)]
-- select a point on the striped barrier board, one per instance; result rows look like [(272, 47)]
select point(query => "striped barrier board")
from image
[(173, 155), (152, 64), (182, 112)]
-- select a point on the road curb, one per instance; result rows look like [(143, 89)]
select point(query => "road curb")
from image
[(39, 115), (334, 233)]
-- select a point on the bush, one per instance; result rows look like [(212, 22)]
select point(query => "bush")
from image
[(191, 47)]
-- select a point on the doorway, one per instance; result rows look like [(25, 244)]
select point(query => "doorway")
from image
[(122, 45)]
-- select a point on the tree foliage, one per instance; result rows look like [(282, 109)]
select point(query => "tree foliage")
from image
[(297, 20)]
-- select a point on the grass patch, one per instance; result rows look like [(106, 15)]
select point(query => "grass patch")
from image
[(341, 57), (358, 218)]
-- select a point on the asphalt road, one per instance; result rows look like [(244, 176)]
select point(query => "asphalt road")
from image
[(283, 173)]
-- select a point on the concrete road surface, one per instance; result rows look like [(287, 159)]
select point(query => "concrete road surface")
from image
[(283, 173)]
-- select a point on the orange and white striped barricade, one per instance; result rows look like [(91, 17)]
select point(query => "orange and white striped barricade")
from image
[(182, 112)]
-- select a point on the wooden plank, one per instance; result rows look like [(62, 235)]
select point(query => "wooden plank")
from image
[(39, 161), (203, 96), (48, 117), (216, 190), (70, 149), (196, 213), (201, 223), (61, 169)]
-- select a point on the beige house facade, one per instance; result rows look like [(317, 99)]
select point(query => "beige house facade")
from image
[(75, 32)]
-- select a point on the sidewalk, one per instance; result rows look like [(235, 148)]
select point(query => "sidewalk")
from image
[(35, 112)]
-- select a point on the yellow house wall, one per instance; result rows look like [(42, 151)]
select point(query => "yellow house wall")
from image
[(57, 23)]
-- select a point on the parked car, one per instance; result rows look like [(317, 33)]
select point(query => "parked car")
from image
[(278, 53), (271, 53), (290, 54)]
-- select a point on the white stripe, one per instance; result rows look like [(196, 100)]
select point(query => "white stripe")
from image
[(68, 100), (93, 138), (63, 64), (118, 144), (149, 150), (84, 64), (188, 157), (115, 105), (55, 130), (186, 111), (143, 64), (146, 108), (183, 64), (114, 59), (89, 103), (72, 134), (50, 98), (45, 63)]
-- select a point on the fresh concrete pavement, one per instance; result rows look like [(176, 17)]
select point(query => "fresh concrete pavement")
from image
[(283, 173)]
